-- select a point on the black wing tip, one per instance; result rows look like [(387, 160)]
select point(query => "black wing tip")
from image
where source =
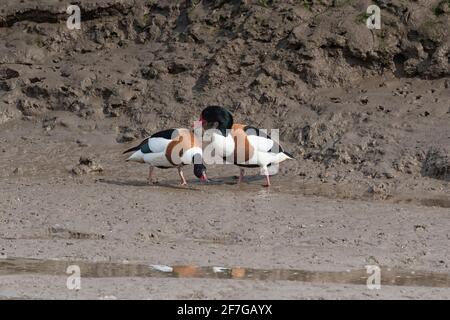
[(166, 134), (289, 155), (132, 149), (136, 148)]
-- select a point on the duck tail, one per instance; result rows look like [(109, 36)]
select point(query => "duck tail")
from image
[(136, 156), (283, 156), (132, 149), (290, 156)]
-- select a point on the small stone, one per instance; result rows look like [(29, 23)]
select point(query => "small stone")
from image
[(419, 228), (86, 165), (126, 137), (49, 123), (335, 99)]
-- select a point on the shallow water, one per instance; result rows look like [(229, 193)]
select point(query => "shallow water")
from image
[(20, 266)]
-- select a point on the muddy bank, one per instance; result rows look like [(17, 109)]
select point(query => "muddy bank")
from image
[(356, 106), (125, 221)]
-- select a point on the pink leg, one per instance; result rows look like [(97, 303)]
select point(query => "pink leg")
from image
[(241, 175), (267, 181), (150, 175), (266, 173), (183, 180)]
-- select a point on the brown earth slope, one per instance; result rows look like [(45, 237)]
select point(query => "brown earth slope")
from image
[(342, 95)]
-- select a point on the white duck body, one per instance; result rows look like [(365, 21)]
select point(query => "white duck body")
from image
[(243, 147), (168, 149), (157, 156), (264, 153), (223, 145), (251, 147)]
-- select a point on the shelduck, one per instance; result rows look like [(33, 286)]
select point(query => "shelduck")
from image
[(171, 148), (246, 146)]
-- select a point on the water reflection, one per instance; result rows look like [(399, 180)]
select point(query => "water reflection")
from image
[(16, 266)]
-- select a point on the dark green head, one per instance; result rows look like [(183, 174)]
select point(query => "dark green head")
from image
[(216, 117), (199, 167)]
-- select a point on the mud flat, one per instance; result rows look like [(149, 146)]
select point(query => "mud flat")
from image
[(116, 229)]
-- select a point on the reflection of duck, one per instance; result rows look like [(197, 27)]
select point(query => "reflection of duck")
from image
[(172, 148), (238, 273), (186, 271), (249, 147), (198, 272)]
